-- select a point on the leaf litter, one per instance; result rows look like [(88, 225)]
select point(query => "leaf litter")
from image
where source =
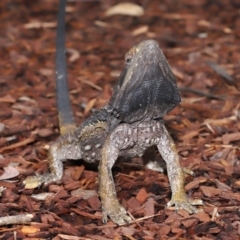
[(201, 42)]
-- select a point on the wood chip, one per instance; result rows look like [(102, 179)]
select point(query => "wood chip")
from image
[(210, 191), (142, 196)]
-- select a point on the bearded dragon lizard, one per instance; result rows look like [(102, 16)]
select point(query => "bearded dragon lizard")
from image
[(127, 126)]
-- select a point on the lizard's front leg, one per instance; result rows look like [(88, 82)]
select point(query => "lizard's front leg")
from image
[(62, 149), (110, 204), (169, 153)]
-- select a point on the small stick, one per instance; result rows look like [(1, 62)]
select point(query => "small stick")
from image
[(147, 217), (220, 71), (91, 84), (134, 220), (200, 93), (18, 219), (19, 144)]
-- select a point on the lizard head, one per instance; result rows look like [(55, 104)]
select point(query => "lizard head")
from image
[(147, 87)]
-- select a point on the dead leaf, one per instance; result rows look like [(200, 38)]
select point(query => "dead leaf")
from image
[(237, 184), (74, 54), (89, 106), (127, 8), (140, 30), (85, 194), (33, 25), (31, 182), (9, 172), (42, 196), (46, 72), (30, 230), (177, 16), (70, 237)]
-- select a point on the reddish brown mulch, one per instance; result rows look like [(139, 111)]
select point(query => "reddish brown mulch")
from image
[(201, 40)]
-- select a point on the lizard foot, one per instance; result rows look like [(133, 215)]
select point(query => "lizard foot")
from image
[(115, 211), (188, 171), (185, 203), (36, 181)]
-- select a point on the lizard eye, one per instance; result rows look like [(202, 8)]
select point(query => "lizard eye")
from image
[(128, 60)]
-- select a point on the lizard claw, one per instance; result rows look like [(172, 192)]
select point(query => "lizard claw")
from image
[(185, 203), (188, 171), (116, 212)]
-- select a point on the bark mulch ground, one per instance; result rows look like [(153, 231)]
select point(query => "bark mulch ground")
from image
[(201, 40)]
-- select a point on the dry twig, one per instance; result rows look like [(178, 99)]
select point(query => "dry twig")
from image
[(18, 219), (200, 93)]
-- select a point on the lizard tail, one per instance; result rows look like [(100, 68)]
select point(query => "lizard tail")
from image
[(65, 113)]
